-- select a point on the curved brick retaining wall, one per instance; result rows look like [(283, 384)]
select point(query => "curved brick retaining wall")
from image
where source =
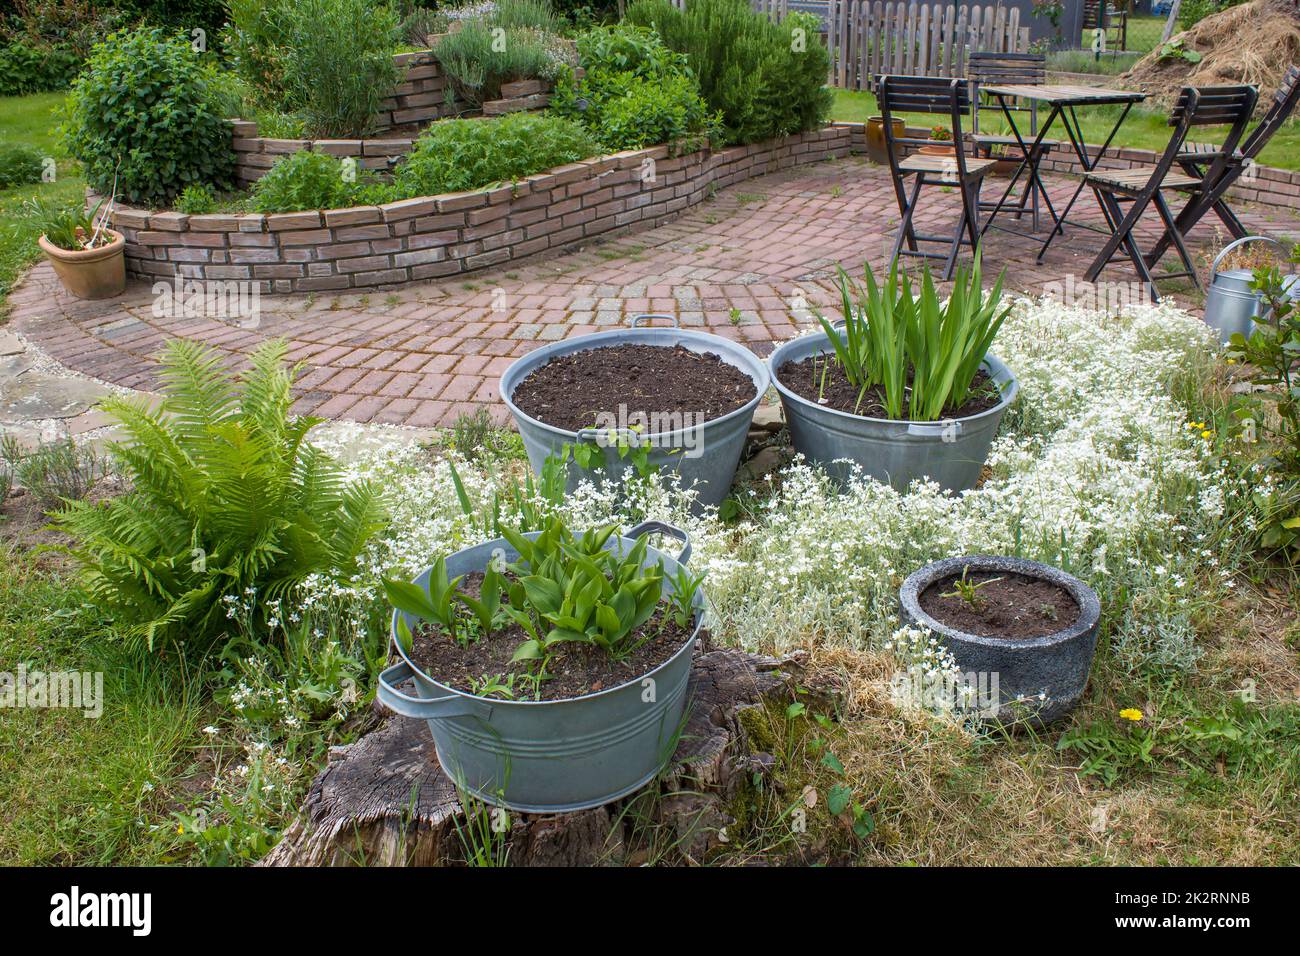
[(369, 247)]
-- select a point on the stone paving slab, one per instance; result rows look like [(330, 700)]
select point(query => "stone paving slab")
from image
[(741, 265)]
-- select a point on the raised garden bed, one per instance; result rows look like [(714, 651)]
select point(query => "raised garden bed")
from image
[(378, 247), (421, 98)]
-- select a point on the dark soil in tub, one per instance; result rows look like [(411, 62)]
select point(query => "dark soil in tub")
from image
[(806, 380), (1008, 605), (577, 669), (570, 391)]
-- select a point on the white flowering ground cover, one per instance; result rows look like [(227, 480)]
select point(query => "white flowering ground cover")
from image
[(1116, 464), (1096, 469)]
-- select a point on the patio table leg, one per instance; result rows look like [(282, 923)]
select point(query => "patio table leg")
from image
[(1031, 156), (1075, 133)]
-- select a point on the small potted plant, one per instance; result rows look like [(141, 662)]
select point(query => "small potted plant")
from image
[(552, 667), (1025, 628), (904, 387), (87, 256), (941, 143)]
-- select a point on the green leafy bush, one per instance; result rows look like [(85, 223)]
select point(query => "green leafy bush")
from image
[(20, 164), (228, 501), (303, 180), (196, 200), (635, 92), (765, 79), (1272, 411), (1193, 12), (454, 155), (43, 43), (146, 115), (514, 40), (27, 69), (329, 60)]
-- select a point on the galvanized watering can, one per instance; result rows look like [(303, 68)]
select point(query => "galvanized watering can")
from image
[(703, 454), (1231, 305), (552, 756)]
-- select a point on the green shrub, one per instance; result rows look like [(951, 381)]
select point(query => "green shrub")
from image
[(1193, 12), (649, 112), (146, 114), (196, 200), (340, 66), (304, 180), (228, 502), (765, 79), (43, 43), (20, 164), (329, 60), (636, 92), (454, 155), (516, 40), (27, 69)]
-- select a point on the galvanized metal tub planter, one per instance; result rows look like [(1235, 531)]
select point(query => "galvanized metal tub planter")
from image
[(951, 451), (704, 454), (551, 756), (1231, 305), (1055, 665)]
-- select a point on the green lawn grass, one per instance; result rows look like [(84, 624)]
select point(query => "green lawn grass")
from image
[(1142, 129), (31, 120), (85, 790)]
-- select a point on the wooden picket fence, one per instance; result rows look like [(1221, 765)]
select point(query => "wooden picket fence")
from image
[(867, 38)]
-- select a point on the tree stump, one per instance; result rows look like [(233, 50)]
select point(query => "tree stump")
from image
[(384, 801)]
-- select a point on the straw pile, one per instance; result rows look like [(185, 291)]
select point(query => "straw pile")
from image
[(1251, 43)]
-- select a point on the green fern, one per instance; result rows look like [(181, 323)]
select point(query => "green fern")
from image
[(226, 495)]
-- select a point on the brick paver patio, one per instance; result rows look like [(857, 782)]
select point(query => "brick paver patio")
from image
[(424, 354)]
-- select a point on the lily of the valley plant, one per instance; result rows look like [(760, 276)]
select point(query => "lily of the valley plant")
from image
[(561, 589)]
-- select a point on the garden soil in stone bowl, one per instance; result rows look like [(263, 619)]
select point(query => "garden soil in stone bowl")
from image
[(1027, 647), (1009, 606), (577, 669), (652, 382)]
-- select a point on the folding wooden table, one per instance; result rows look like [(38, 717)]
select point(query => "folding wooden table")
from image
[(1061, 101)]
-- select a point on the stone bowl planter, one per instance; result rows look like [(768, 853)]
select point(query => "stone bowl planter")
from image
[(714, 448), (551, 756), (90, 273), (950, 451), (1056, 665)]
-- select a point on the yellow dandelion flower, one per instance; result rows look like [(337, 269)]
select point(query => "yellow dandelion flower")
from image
[(1131, 713), (1207, 434)]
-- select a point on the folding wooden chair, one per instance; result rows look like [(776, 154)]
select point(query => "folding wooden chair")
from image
[(931, 94), (1193, 162), (1098, 15), (1142, 186), (986, 68)]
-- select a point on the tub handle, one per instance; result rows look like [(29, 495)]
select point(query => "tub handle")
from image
[(1214, 267), (453, 705), (632, 438), (939, 429), (636, 319), (660, 527)]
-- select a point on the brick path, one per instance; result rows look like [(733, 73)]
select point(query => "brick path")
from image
[(425, 354)]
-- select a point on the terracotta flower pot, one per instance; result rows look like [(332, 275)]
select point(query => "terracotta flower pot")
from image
[(877, 151), (937, 148), (90, 273)]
